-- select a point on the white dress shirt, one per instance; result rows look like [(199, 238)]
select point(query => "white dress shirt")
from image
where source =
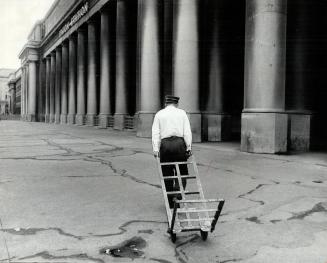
[(171, 121)]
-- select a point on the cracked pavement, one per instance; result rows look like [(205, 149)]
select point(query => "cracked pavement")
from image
[(68, 192)]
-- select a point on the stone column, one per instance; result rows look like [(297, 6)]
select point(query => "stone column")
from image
[(92, 105), (216, 123), (13, 99), (41, 91), (300, 72), (52, 87), (64, 83), (149, 71), (12, 91), (105, 74), (121, 108), (47, 88), (58, 86), (264, 122), (186, 61), (32, 71), (81, 74), (22, 93), (26, 102), (72, 81)]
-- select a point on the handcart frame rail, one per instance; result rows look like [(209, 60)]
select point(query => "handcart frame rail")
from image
[(175, 225)]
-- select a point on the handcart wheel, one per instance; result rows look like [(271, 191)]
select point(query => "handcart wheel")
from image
[(204, 235), (173, 237)]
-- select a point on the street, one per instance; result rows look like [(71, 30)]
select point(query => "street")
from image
[(72, 194)]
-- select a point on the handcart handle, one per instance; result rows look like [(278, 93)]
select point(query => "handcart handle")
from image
[(214, 222), (201, 201)]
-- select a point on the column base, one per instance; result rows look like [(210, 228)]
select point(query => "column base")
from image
[(47, 118), (264, 132), (71, 118), (196, 126), (63, 118), (144, 124), (79, 119), (31, 117), (90, 119), (57, 119), (119, 121), (216, 127), (41, 118), (52, 118), (299, 132), (104, 120)]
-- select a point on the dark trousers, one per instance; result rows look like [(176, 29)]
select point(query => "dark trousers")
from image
[(173, 149)]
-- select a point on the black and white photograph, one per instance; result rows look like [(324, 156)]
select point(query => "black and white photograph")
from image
[(163, 131)]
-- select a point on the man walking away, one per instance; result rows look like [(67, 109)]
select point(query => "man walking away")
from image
[(172, 141)]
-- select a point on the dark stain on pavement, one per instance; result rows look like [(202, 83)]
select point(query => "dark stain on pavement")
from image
[(274, 221), (146, 231), (34, 231), (320, 207), (254, 219), (160, 260), (5, 182), (46, 255), (318, 181), (131, 248)]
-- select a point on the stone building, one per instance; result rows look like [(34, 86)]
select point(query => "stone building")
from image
[(250, 70), (14, 85), (4, 91)]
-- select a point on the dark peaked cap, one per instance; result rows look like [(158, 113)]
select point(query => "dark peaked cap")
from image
[(171, 99)]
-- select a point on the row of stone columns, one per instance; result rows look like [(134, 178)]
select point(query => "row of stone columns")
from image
[(71, 83), (186, 68)]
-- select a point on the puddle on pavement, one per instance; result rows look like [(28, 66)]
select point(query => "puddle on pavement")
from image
[(318, 182), (131, 248)]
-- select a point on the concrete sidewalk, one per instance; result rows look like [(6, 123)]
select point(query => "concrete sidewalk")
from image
[(68, 193)]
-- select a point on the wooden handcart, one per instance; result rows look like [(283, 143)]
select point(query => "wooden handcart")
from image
[(190, 211)]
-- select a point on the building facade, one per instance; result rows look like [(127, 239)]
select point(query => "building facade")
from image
[(14, 86), (4, 91), (251, 70)]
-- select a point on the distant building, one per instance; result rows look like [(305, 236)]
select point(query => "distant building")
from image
[(4, 90), (251, 70), (14, 85)]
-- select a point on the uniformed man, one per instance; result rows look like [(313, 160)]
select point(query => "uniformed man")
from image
[(172, 141)]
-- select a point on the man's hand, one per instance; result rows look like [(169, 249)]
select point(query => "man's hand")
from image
[(189, 153), (156, 154)]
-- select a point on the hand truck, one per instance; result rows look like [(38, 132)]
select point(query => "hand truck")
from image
[(195, 214)]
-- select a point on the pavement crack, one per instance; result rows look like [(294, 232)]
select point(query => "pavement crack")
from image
[(320, 207), (251, 192), (122, 173), (137, 180), (254, 219), (60, 147), (46, 255), (123, 227), (230, 260), (180, 255), (160, 260), (5, 242), (34, 231)]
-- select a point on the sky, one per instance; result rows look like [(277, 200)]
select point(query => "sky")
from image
[(17, 18)]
